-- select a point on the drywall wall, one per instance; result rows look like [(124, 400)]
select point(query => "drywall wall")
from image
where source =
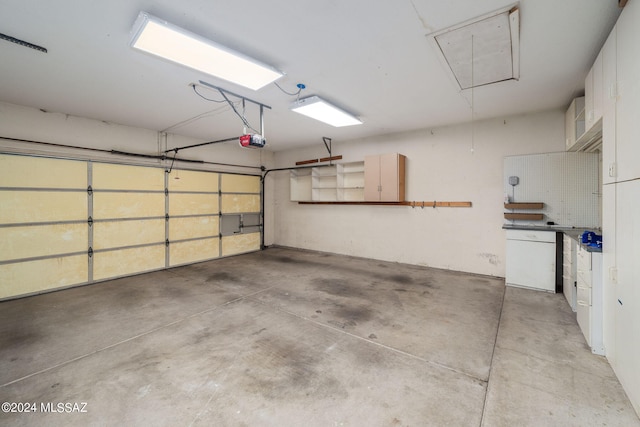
[(454, 163), (25, 123)]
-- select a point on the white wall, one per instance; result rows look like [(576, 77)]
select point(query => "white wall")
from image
[(441, 167), (26, 123)]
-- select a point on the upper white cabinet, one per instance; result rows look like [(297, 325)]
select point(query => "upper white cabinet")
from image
[(574, 122), (628, 102), (609, 98), (381, 176), (384, 178), (593, 94)]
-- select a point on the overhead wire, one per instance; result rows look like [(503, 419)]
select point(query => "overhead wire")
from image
[(204, 97), (233, 107), (300, 87)]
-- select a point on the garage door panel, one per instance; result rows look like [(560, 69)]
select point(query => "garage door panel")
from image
[(42, 206), (235, 203), (40, 275), (127, 205), (180, 180), (240, 243), (193, 227), (194, 251), (42, 240), (240, 184), (127, 261), (36, 172), (124, 177), (113, 234), (193, 204)]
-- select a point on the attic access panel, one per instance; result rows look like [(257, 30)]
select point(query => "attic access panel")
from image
[(483, 50)]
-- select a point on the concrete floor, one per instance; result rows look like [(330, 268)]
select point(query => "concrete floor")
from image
[(289, 338)]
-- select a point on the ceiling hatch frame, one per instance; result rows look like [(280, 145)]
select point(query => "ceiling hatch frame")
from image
[(481, 51)]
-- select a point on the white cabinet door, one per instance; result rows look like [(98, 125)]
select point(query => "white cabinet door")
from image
[(609, 98), (384, 178), (531, 264), (597, 89), (610, 292), (588, 101), (628, 106), (628, 289)]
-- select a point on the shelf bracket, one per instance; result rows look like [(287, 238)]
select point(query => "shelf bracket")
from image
[(328, 147)]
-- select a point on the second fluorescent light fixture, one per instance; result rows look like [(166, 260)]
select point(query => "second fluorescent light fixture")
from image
[(319, 109), (158, 37)]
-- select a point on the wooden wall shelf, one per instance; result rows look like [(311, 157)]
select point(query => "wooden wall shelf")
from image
[(431, 204), (527, 216), (535, 205)]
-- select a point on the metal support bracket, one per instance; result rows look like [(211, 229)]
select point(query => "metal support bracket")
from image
[(327, 146)]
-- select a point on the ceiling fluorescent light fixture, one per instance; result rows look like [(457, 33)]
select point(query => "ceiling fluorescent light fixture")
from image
[(157, 37), (319, 109)]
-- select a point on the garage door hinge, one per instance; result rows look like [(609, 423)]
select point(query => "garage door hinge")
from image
[(90, 221), (166, 191), (90, 190), (167, 243), (166, 217), (90, 252)]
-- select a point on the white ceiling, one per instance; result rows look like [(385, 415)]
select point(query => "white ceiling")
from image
[(372, 58)]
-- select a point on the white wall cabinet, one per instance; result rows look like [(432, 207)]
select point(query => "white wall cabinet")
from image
[(621, 200), (609, 77), (574, 122), (628, 102), (627, 291), (384, 178), (343, 182)]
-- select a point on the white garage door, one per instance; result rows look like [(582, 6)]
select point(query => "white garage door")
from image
[(194, 207), (43, 224), (67, 222), (240, 213)]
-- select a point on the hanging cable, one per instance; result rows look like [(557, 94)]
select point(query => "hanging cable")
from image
[(173, 160), (204, 97), (300, 87), (233, 107)]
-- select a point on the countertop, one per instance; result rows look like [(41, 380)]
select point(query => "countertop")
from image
[(573, 232)]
